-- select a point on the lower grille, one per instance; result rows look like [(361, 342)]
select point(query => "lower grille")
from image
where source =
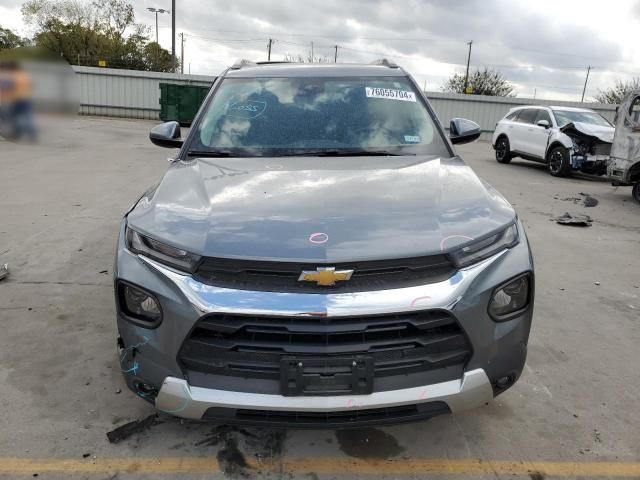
[(342, 419), (252, 346)]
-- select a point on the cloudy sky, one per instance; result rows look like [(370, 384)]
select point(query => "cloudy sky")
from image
[(541, 46)]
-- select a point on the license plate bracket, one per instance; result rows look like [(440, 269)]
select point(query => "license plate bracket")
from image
[(311, 376)]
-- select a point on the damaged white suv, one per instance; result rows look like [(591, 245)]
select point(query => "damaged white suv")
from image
[(566, 139)]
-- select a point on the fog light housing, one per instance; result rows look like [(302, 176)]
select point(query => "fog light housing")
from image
[(138, 305), (511, 298)]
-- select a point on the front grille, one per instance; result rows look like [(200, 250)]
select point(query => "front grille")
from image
[(346, 418), (253, 346), (283, 276)]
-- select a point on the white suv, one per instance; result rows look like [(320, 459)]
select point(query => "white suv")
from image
[(566, 139)]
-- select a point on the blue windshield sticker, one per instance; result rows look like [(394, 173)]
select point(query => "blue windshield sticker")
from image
[(246, 109), (412, 138)]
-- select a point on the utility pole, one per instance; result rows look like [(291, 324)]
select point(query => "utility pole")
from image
[(181, 52), (335, 56), (466, 77), (585, 83), (173, 34), (269, 50)]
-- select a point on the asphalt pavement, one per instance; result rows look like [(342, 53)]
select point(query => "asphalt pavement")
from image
[(574, 413)]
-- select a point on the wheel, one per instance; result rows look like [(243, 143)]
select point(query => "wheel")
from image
[(635, 193), (558, 162), (503, 152)]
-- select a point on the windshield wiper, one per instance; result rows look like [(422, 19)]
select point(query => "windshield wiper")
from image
[(306, 153), (210, 153), (347, 153)]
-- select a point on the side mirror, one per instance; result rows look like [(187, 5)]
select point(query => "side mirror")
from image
[(543, 123), (462, 130), (166, 135)]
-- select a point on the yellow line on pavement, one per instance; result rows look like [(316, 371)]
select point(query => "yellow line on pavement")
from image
[(326, 465)]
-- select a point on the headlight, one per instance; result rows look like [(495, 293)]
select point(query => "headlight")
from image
[(171, 256), (486, 247), (510, 298), (138, 305)]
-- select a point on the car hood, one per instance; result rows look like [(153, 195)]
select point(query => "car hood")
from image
[(359, 208), (599, 132)]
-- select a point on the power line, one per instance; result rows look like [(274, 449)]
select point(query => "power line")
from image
[(399, 39)]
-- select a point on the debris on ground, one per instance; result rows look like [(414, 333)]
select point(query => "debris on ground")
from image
[(574, 220), (596, 284), (596, 435), (4, 271), (128, 429), (585, 198), (588, 200)]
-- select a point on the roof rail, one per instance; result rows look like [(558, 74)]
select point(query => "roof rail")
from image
[(243, 63), (273, 62), (383, 62)]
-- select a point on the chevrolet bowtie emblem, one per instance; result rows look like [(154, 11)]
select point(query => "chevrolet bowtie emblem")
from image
[(325, 277)]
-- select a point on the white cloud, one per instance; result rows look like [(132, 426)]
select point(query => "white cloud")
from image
[(543, 45)]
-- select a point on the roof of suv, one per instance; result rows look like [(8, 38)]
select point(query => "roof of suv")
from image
[(285, 69)]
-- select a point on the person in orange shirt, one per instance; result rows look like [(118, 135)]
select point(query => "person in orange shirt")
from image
[(15, 98)]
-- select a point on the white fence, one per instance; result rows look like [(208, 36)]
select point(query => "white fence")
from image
[(127, 93), (487, 111), (135, 94)]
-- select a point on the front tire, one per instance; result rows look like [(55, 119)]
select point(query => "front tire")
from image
[(635, 193), (558, 162), (503, 150)]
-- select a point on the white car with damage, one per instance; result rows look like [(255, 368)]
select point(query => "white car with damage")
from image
[(567, 139)]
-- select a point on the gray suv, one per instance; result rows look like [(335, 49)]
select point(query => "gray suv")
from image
[(318, 255)]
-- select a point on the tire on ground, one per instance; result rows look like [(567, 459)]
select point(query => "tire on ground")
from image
[(503, 150), (635, 193), (558, 162)]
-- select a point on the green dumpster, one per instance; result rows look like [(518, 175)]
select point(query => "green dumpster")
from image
[(181, 102)]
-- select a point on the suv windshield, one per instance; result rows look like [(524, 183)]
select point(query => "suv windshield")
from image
[(315, 116), (568, 116)]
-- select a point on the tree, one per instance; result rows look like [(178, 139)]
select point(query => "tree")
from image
[(157, 58), (8, 39), (482, 82), (306, 59), (85, 33), (616, 93)]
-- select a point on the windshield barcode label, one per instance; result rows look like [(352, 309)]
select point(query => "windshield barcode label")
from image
[(374, 92)]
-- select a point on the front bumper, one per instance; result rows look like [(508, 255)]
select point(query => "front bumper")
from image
[(148, 357), (178, 398)]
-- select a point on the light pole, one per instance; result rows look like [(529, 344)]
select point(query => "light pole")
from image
[(157, 11)]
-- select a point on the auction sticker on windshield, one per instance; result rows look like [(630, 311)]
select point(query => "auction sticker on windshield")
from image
[(375, 92)]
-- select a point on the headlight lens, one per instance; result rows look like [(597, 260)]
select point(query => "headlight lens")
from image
[(510, 298), (486, 247), (139, 305), (171, 256)]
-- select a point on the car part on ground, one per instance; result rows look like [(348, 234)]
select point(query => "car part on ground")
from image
[(566, 139), (574, 220), (4, 271), (254, 283), (624, 168)]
